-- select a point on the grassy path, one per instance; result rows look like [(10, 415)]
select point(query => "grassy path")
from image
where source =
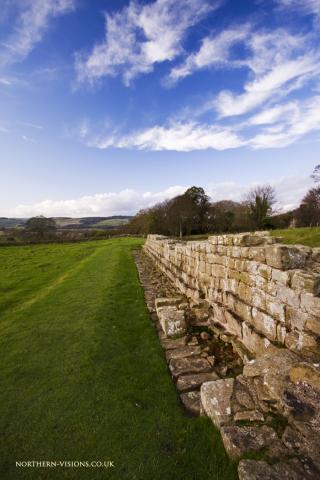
[(83, 376)]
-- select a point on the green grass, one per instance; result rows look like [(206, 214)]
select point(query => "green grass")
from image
[(83, 376), (304, 236), (112, 222)]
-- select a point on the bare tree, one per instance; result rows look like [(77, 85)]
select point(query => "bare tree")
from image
[(316, 174), (260, 201), (309, 210)]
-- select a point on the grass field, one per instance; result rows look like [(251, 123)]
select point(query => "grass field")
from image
[(305, 236), (116, 222), (83, 376)]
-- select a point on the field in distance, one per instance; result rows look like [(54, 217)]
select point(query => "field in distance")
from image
[(74, 223)]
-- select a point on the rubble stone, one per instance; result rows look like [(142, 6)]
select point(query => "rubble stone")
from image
[(191, 401), (239, 440), (172, 320), (216, 400), (183, 366), (249, 415), (291, 470), (183, 352), (193, 382)]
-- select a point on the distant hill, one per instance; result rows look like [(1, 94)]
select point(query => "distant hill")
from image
[(103, 223), (12, 222)]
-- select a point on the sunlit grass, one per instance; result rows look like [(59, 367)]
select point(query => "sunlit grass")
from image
[(83, 376)]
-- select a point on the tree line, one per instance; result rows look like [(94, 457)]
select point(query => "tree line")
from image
[(194, 213)]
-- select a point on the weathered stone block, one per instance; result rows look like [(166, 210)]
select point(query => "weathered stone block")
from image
[(249, 415), (305, 282), (219, 271), (247, 279), (310, 304), (288, 296), (264, 271), (264, 324), (278, 363), (258, 298), (243, 396), (172, 320), (275, 309), (316, 255), (255, 343), (183, 366), (165, 302), (290, 470), (244, 292), (243, 310), (183, 352), (216, 400), (313, 324), (298, 341), (305, 373), (287, 257), (295, 318), (248, 240), (193, 382), (233, 324), (191, 401), (171, 344), (257, 253), (246, 439), (281, 276)]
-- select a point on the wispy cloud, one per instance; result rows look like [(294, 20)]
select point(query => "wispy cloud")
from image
[(311, 7), (32, 22), (273, 127), (215, 51), (279, 63), (277, 82), (288, 129), (140, 36), (289, 191), (178, 136)]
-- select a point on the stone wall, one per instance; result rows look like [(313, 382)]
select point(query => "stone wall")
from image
[(261, 293)]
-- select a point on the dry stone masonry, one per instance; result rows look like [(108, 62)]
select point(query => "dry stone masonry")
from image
[(240, 325), (261, 292)]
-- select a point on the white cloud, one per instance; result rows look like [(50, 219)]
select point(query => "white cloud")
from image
[(289, 192), (214, 51), (32, 22), (139, 36), (308, 6), (275, 114), (181, 137), (304, 119), (278, 63), (125, 202), (5, 81), (278, 126), (281, 78)]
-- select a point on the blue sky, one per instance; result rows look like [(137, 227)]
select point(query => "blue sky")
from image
[(108, 106)]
